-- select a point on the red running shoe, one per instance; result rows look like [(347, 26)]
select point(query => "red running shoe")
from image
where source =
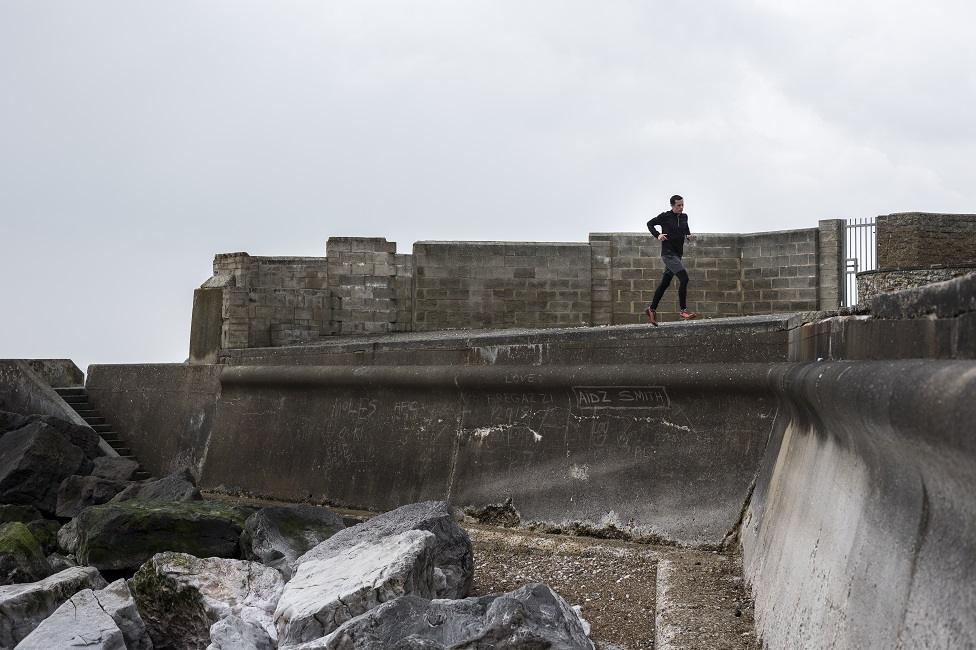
[(651, 316), (688, 315)]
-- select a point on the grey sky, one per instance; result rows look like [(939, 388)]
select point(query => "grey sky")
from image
[(137, 139)]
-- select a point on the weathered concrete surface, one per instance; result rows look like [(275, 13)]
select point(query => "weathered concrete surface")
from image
[(861, 532), (164, 411), (748, 338), (937, 321), (24, 387), (656, 451)]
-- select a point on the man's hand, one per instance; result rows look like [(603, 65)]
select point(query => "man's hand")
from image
[(662, 236), (689, 237)]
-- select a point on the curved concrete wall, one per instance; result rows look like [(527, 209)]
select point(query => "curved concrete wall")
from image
[(655, 451), (861, 532)]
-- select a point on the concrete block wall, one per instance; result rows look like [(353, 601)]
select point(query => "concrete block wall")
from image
[(272, 301), (363, 286), (500, 284), (780, 271), (914, 240), (830, 273), (361, 280)]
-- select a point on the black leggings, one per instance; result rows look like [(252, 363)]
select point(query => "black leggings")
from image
[(666, 282)]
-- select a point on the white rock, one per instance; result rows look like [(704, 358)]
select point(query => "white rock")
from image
[(24, 606), (116, 600), (328, 592), (234, 633), (78, 623)]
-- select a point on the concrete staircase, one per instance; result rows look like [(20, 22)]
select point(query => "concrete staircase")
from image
[(77, 398)]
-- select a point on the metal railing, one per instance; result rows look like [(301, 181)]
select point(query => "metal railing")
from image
[(860, 254)]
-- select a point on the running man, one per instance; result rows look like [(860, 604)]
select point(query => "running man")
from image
[(674, 231)]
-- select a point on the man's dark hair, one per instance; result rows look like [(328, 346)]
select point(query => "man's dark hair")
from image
[(676, 198)]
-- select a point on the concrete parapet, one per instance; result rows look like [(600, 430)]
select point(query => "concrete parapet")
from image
[(861, 532), (935, 321)]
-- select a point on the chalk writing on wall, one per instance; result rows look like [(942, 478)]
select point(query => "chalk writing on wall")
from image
[(621, 397)]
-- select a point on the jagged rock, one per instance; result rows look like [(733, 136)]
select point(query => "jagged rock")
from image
[(122, 536), (60, 562), (107, 618), (277, 536), (79, 435), (10, 421), (114, 468), (34, 459), (78, 623), (234, 633), (21, 557), (117, 601), (179, 486), (533, 616), (23, 607), (181, 597), (78, 492), (452, 549), (10, 512), (45, 531), (328, 592)]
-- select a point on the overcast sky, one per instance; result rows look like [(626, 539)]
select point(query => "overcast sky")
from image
[(138, 139)]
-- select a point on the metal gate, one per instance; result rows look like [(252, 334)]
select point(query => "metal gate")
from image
[(860, 254)]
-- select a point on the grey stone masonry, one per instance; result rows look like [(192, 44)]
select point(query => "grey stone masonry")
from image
[(830, 249), (362, 272), (500, 284), (363, 286), (779, 271)]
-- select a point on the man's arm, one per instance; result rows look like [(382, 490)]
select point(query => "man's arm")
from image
[(651, 225), (688, 230)]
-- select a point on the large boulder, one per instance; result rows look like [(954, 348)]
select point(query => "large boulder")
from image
[(78, 492), (533, 616), (179, 486), (78, 623), (80, 435), (21, 557), (105, 619), (34, 459), (181, 597), (115, 468), (452, 548), (277, 536), (121, 536), (325, 593), (10, 421), (23, 607)]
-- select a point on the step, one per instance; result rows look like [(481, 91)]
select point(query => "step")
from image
[(123, 451), (102, 428), (141, 475), (111, 438), (93, 420), (70, 391), (85, 413), (76, 399)]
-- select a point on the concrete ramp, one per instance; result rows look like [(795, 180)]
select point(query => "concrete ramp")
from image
[(861, 532)]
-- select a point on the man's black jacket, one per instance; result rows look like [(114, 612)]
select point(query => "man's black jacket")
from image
[(675, 226)]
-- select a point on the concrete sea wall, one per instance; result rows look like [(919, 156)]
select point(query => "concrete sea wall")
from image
[(838, 451), (861, 532)]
